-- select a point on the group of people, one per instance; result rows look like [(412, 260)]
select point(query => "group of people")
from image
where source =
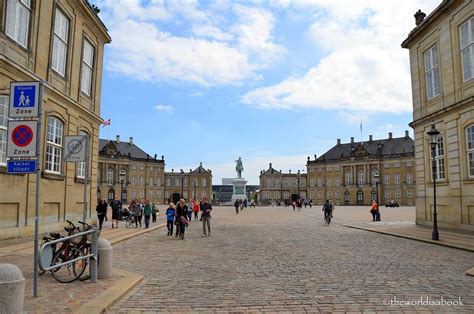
[(180, 215)]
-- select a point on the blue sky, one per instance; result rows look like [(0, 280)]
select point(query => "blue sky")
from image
[(271, 81)]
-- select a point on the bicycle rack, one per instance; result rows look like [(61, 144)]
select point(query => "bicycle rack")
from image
[(93, 255)]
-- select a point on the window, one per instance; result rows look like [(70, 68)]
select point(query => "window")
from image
[(167, 194), (361, 177), (432, 72), (398, 193), (409, 193), (17, 21), (185, 194), (295, 183), (158, 194), (386, 166), (134, 167), (142, 168), (439, 159), (409, 178), (158, 181), (142, 194), (397, 178), (286, 194), (150, 181), (470, 149), (276, 195), (150, 194), (337, 168), (81, 166), (60, 42), (337, 194), (338, 181), (134, 181), (3, 129), (320, 182), (397, 165), (320, 195), (348, 178), (185, 181), (87, 66), (329, 181), (203, 194), (329, 169), (329, 195), (409, 164), (203, 182), (168, 181), (110, 176), (387, 194), (311, 194), (311, 182), (387, 179), (54, 142), (268, 183), (466, 35), (142, 180), (347, 197)]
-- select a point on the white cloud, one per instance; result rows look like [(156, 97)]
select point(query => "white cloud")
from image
[(202, 46), (165, 108), (364, 68)]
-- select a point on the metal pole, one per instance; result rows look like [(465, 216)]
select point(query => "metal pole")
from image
[(95, 257), (37, 197), (377, 193), (435, 234), (86, 178)]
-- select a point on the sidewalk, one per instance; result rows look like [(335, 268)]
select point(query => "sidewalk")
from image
[(82, 296)]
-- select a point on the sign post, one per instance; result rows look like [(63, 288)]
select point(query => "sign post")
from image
[(77, 151), (24, 140)]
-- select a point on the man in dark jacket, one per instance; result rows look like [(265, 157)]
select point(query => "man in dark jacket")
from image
[(116, 207), (206, 209)]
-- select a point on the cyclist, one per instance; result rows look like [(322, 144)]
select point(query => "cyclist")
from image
[(328, 208)]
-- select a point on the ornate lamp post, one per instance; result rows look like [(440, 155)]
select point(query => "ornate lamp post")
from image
[(122, 176), (299, 184), (433, 134), (376, 177)]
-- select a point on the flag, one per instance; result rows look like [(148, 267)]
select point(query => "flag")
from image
[(106, 122)]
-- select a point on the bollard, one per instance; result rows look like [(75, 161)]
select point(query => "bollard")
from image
[(12, 289), (105, 252)]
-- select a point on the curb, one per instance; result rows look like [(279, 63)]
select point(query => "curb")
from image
[(470, 272), (128, 236), (454, 246), (106, 299)]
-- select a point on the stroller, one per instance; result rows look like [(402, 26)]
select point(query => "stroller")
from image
[(128, 217)]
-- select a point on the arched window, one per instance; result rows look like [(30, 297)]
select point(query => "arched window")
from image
[(54, 145), (81, 166), (470, 149), (110, 176)]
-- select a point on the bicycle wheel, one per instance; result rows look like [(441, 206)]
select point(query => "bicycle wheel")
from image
[(70, 272)]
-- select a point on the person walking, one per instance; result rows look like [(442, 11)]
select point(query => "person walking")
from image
[(116, 206), (101, 210), (154, 211), (236, 205), (181, 215), (170, 213), (373, 210), (190, 212), (299, 204), (147, 213), (195, 209), (138, 213), (206, 209), (293, 204)]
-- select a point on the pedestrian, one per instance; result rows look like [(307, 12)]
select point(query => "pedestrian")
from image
[(252, 204), (299, 204), (206, 209), (181, 214), (373, 210), (195, 209), (236, 205), (293, 204), (101, 210), (170, 213), (328, 208), (154, 211), (190, 212), (147, 213), (305, 203), (310, 203), (138, 213), (245, 203), (116, 207)]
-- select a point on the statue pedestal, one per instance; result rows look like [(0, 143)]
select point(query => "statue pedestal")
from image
[(239, 191)]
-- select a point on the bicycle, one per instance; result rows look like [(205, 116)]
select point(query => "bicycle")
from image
[(327, 218)]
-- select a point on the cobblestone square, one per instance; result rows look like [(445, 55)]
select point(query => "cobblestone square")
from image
[(272, 259)]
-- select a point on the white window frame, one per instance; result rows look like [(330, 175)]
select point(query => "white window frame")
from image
[(397, 178), (60, 43), (158, 181), (329, 181), (87, 71), (81, 165), (3, 129), (168, 181), (432, 75), (176, 181), (15, 28), (320, 182), (387, 194), (408, 164), (337, 195), (134, 181), (409, 193), (311, 194), (203, 194), (361, 177), (54, 145), (439, 160), (409, 178), (387, 179), (398, 193), (470, 150), (110, 176), (338, 181), (348, 177), (320, 195), (203, 182), (311, 182), (466, 42), (150, 181)]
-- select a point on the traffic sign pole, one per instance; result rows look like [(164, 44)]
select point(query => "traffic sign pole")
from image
[(38, 179), (86, 178)]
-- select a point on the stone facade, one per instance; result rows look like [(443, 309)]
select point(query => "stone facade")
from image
[(278, 186), (194, 184), (441, 50), (62, 44), (348, 173)]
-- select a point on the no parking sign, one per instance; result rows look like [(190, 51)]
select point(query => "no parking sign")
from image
[(21, 139)]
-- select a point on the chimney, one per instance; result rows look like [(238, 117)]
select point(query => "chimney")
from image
[(338, 141), (389, 135), (130, 140), (370, 138), (117, 139), (315, 156), (290, 171), (200, 164), (406, 134), (270, 165), (155, 156), (162, 157), (190, 170), (308, 158), (419, 17), (352, 139), (172, 170)]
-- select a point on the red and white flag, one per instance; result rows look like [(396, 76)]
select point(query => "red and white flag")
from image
[(106, 122)]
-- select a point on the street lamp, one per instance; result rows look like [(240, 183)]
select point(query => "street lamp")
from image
[(122, 176), (433, 134), (195, 185), (298, 184), (376, 177)]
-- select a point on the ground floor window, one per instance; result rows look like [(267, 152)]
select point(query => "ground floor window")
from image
[(360, 197)]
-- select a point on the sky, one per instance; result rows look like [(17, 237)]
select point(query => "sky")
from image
[(268, 81)]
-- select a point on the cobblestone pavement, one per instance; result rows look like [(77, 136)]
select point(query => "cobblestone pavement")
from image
[(274, 259)]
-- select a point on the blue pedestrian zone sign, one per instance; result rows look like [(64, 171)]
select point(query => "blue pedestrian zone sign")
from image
[(21, 166), (24, 99)]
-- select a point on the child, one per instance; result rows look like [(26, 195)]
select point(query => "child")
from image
[(170, 213)]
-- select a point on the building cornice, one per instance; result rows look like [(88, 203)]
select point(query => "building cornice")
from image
[(445, 110)]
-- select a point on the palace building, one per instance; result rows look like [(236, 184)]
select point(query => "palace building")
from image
[(278, 186), (441, 50), (355, 173), (60, 43)]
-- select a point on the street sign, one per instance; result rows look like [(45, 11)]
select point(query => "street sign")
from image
[(24, 99), (21, 140), (21, 166), (75, 148)]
